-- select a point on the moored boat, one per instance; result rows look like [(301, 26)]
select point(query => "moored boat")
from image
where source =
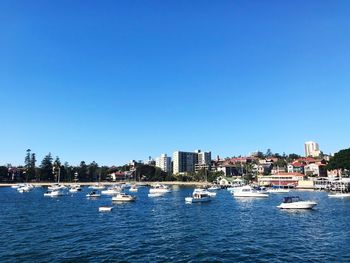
[(121, 197), (248, 191), (159, 188), (197, 197), (105, 208), (93, 194)]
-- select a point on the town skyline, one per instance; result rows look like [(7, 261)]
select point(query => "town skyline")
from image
[(144, 159)]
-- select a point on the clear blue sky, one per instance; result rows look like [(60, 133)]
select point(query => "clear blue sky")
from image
[(112, 81)]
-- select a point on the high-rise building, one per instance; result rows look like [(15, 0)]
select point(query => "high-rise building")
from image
[(187, 162), (312, 149), (164, 163)]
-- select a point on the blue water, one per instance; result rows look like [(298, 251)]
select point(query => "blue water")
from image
[(35, 228)]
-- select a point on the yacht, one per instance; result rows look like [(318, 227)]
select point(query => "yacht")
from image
[(294, 202), (112, 191), (93, 194), (74, 188), (214, 187), (122, 197), (105, 208), (159, 188), (54, 193), (277, 190), (211, 194), (248, 191), (155, 194), (56, 187), (97, 186), (197, 197), (339, 195), (133, 188)]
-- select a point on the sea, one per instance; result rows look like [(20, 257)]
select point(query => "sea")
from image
[(70, 228)]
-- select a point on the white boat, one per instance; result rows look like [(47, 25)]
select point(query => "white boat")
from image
[(17, 186), (112, 191), (54, 193), (121, 197), (74, 188), (205, 191), (97, 186), (339, 195), (105, 208), (56, 187), (214, 187), (159, 188), (25, 188), (93, 194), (197, 197), (133, 189), (248, 191), (277, 190), (155, 194), (294, 202)]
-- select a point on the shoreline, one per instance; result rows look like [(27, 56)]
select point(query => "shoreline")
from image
[(109, 183)]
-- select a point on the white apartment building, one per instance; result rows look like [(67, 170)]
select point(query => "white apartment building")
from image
[(187, 162), (312, 149), (164, 163)]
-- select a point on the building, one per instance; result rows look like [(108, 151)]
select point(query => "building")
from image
[(204, 161), (281, 179), (164, 163), (188, 162), (312, 149)]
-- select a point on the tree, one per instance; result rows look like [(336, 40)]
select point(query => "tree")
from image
[(268, 153), (340, 160), (46, 168), (4, 174), (92, 171), (83, 172)]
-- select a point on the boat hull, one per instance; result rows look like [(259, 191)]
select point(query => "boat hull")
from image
[(298, 205)]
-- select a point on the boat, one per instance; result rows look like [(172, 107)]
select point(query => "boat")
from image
[(112, 191), (277, 190), (74, 188), (105, 208), (93, 194), (214, 187), (56, 187), (54, 193), (25, 188), (133, 188), (248, 191), (97, 186), (339, 195), (211, 194), (122, 197), (155, 194), (197, 197), (294, 202), (159, 188)]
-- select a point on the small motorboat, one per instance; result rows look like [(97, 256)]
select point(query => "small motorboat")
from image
[(121, 197), (159, 188), (112, 191), (339, 195), (197, 197), (54, 193), (248, 191), (294, 202), (93, 194), (277, 190), (105, 208), (155, 194), (133, 189), (211, 194), (214, 187)]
